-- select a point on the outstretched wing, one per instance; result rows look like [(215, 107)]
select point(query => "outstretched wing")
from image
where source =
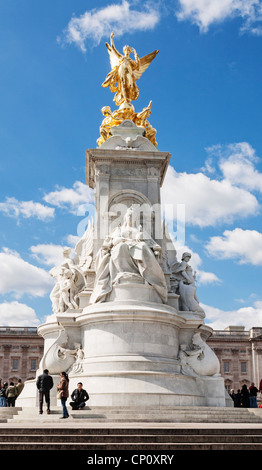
[(84, 248), (114, 56), (144, 63)]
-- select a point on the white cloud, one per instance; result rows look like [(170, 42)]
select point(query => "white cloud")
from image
[(20, 277), (242, 245), (17, 314), (51, 254), (208, 202), (14, 208), (218, 319), (204, 13), (70, 198), (48, 254), (72, 240), (205, 277), (237, 164), (121, 18)]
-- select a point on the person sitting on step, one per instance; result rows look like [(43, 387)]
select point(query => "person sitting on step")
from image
[(79, 397)]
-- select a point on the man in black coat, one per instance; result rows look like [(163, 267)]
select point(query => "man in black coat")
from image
[(79, 397), (44, 384)]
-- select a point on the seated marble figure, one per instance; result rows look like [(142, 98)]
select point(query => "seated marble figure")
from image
[(128, 255)]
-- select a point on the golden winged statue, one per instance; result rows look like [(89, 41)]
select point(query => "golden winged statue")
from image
[(125, 72)]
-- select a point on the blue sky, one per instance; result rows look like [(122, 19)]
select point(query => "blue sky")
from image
[(205, 85)]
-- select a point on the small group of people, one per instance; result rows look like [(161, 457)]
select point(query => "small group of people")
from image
[(246, 397), (45, 383), (9, 393)]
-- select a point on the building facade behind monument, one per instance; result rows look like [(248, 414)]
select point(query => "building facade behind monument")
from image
[(21, 349), (240, 355)]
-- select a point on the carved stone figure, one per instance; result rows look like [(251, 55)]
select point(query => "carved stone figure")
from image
[(84, 249), (69, 281), (79, 355), (198, 359), (183, 356), (67, 291), (71, 274), (183, 281), (57, 357), (128, 254)]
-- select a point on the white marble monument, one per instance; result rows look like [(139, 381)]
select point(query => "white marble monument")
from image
[(126, 318)]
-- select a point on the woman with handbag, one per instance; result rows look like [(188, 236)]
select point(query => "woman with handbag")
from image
[(62, 393)]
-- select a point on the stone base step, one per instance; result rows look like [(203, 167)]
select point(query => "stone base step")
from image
[(8, 412), (136, 439), (129, 439), (124, 415), (123, 447)]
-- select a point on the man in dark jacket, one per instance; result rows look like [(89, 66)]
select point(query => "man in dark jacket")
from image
[(44, 384), (79, 397), (253, 395)]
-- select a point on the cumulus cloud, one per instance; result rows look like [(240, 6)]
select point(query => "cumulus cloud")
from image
[(237, 163), (219, 319), (17, 314), (72, 240), (207, 201), (243, 245), (20, 277), (121, 17), (26, 209), (70, 198), (204, 13), (48, 254)]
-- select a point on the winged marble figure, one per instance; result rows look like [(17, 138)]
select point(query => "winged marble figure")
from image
[(125, 72), (84, 248)]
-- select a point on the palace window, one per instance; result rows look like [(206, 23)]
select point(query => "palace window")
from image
[(33, 364), (15, 364)]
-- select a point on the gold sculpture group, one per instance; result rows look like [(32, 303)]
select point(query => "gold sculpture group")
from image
[(121, 80)]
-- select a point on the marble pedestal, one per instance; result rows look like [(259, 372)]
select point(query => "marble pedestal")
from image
[(130, 355)]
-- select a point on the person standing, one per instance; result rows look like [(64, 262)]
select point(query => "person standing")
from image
[(3, 395), (237, 401), (44, 384), (253, 395), (63, 393), (11, 394), (232, 395), (244, 396), (79, 397), (19, 387)]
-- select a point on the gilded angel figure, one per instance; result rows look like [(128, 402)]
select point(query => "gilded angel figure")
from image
[(125, 72)]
